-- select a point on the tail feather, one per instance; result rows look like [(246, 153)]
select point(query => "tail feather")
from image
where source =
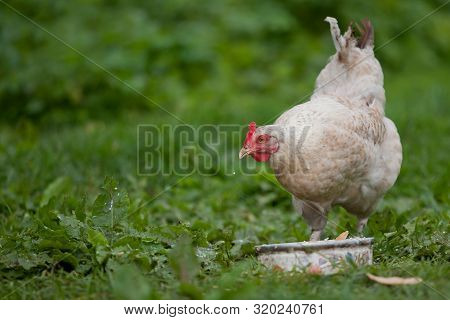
[(335, 33), (345, 42), (353, 73), (367, 34), (340, 42)]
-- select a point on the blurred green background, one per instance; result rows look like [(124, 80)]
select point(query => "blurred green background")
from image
[(66, 124), (217, 57)]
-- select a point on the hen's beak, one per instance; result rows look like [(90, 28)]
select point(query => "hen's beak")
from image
[(243, 153)]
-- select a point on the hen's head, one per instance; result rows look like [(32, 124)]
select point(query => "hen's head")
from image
[(259, 144)]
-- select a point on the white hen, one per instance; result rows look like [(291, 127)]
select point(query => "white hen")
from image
[(338, 148)]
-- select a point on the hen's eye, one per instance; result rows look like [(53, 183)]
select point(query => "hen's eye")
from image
[(260, 139)]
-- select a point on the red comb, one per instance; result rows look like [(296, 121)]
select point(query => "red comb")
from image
[(251, 131)]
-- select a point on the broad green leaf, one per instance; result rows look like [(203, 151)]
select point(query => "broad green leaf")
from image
[(71, 225), (128, 282), (80, 210), (96, 238), (183, 260), (54, 189), (100, 243), (111, 206)]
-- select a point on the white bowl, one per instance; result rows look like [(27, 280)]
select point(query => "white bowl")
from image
[(325, 257)]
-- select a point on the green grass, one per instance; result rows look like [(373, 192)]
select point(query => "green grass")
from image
[(196, 239)]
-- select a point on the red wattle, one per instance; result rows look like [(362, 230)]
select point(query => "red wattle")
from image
[(261, 157)]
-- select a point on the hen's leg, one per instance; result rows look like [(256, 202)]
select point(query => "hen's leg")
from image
[(315, 235), (362, 218), (315, 215), (361, 224)]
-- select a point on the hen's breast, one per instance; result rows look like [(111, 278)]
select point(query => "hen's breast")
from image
[(321, 154)]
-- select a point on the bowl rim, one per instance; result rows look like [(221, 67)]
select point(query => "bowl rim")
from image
[(314, 245)]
